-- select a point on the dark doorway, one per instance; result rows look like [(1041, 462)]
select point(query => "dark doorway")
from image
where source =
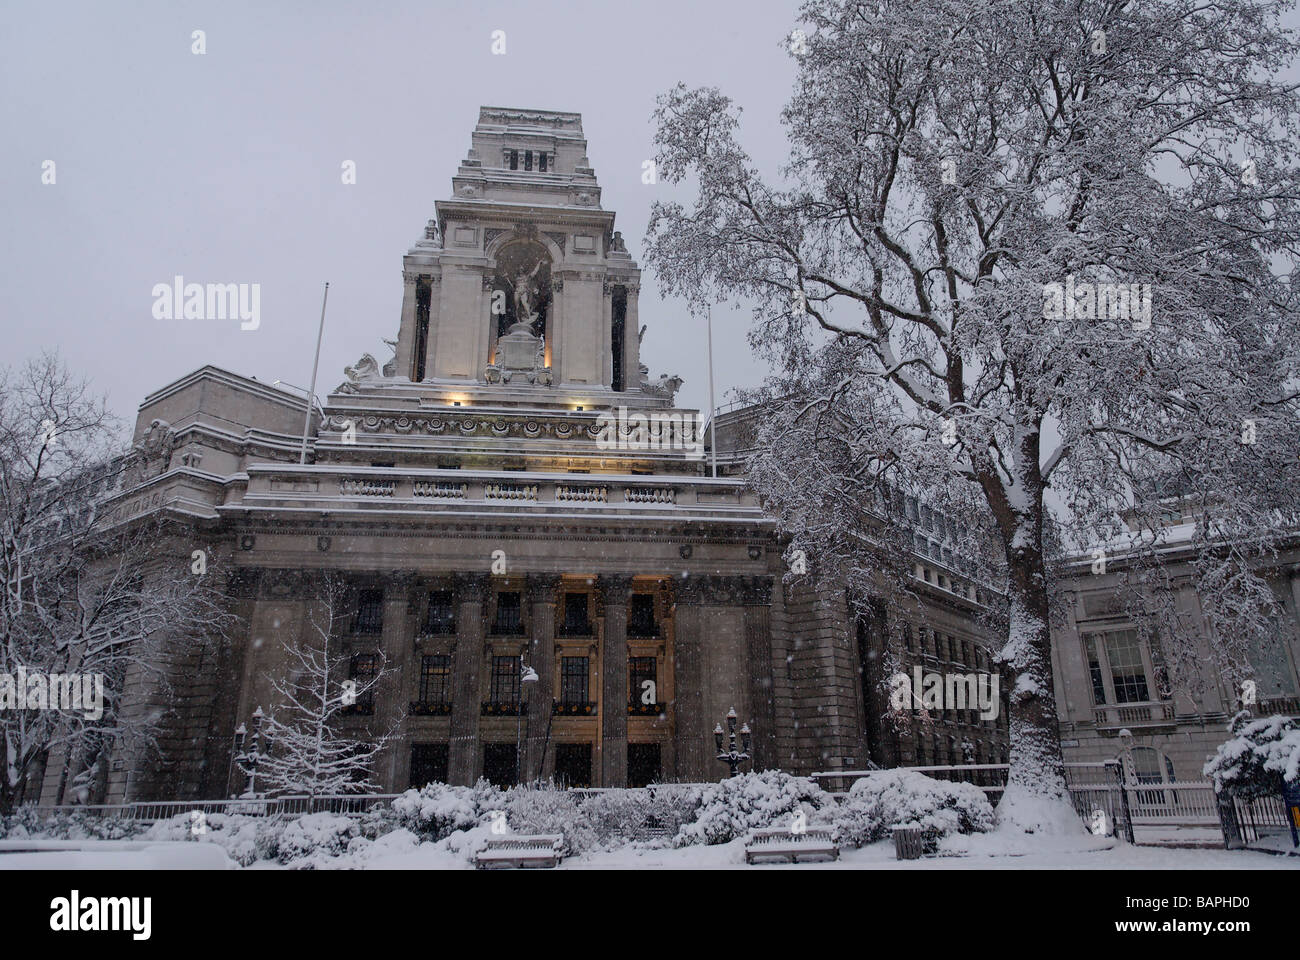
[(573, 764), (499, 764), (428, 764), (643, 764)]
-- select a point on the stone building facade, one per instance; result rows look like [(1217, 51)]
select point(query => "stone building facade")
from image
[(511, 492)]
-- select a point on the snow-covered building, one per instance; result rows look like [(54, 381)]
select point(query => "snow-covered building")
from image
[(1117, 696), (510, 496)]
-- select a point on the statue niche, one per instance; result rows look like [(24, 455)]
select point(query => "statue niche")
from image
[(519, 320)]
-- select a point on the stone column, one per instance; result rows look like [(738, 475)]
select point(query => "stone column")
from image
[(692, 737), (541, 657), (435, 298), (406, 332), (757, 597), (391, 692), (614, 592), (631, 343), (464, 759), (606, 332), (554, 321)]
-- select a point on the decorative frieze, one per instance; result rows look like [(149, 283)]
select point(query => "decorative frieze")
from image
[(724, 591)]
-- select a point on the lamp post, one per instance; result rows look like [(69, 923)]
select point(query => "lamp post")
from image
[(526, 675), (247, 759), (730, 756)]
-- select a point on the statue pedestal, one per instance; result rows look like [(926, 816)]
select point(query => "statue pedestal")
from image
[(520, 351)]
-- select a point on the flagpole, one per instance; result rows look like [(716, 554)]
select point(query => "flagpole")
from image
[(311, 392), (713, 428)]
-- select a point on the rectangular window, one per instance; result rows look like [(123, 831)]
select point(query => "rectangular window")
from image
[(574, 673), (501, 764), (441, 617), (505, 682), (370, 612), (509, 621), (541, 162), (644, 766), (428, 763), (643, 679), (435, 681), (1127, 672), (1094, 671), (573, 764), (575, 623), (514, 159), (528, 159), (641, 620), (362, 669)]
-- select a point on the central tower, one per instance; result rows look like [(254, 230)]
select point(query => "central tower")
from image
[(521, 288)]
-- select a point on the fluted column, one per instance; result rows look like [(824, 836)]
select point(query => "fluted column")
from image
[(406, 334), (390, 692), (757, 598), (613, 593), (691, 734), (541, 590), (463, 751)]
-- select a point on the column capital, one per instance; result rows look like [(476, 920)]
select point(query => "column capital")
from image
[(469, 587), (541, 587), (614, 588)]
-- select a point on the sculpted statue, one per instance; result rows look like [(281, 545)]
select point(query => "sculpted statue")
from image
[(527, 294), (367, 368), (665, 387), (153, 452)]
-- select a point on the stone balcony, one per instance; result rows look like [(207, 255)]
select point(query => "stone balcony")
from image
[(1156, 713), (343, 489)]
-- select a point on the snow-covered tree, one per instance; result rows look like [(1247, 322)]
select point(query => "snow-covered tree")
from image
[(309, 751), (80, 595), (1017, 248), (1257, 758)]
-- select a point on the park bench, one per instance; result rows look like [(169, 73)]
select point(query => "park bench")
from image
[(781, 843), (520, 850)]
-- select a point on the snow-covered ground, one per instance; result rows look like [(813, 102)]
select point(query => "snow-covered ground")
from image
[(400, 852)]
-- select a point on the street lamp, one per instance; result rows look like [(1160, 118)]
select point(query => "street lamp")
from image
[(247, 759), (730, 756), (526, 675)]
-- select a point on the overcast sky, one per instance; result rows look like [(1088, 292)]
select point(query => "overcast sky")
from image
[(226, 167)]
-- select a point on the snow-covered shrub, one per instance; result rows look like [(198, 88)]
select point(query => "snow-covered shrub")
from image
[(621, 816), (544, 808), (245, 839), (886, 799), (438, 809), (1257, 757), (750, 801), (316, 835), (27, 822)]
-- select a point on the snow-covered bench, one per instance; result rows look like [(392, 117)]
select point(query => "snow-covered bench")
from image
[(781, 843), (520, 850)]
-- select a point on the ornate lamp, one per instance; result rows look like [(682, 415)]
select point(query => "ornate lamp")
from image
[(732, 757)]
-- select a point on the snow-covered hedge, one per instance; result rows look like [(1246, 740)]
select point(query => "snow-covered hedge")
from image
[(1257, 757), (438, 809), (545, 809), (751, 801), (26, 822), (619, 816), (245, 839), (886, 799), (314, 836)]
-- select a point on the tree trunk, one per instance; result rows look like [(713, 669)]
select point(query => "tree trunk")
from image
[(1036, 799)]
